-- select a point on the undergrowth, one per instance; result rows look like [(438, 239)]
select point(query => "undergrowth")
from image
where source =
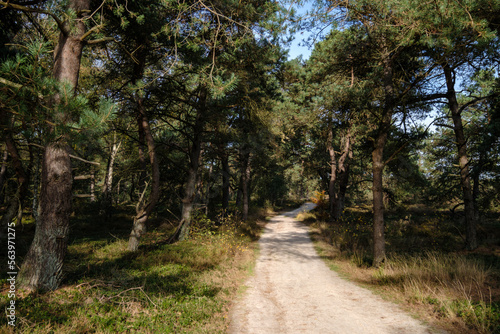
[(163, 288), (425, 269)]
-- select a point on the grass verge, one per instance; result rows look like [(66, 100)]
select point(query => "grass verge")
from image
[(186, 287)]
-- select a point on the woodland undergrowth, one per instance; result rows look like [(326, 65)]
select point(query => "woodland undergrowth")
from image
[(163, 288)]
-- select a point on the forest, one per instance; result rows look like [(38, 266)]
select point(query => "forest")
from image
[(145, 142)]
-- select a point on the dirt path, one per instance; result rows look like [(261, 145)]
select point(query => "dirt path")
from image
[(293, 291)]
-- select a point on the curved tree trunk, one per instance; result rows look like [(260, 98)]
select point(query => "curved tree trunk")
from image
[(144, 211), (463, 160)]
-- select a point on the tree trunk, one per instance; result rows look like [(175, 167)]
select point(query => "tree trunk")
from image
[(194, 162), (239, 192), (245, 185), (209, 187), (42, 267), (3, 172), (378, 166), (343, 177), (333, 172), (36, 186), (463, 160), (144, 211), (107, 194), (141, 180), (476, 173), (16, 203), (92, 186), (225, 181), (378, 201)]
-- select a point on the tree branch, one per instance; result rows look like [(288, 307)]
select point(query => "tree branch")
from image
[(395, 153), (100, 40), (22, 8), (10, 83), (476, 100)]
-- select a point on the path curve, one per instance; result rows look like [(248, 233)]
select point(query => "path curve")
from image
[(293, 291)]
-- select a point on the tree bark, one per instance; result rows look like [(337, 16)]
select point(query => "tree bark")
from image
[(225, 181), (209, 187), (16, 203), (141, 181), (333, 172), (3, 172), (36, 186), (107, 194), (343, 177), (194, 162), (42, 267), (144, 211), (463, 160), (245, 185), (378, 165), (476, 174)]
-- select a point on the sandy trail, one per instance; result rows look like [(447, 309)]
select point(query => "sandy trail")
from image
[(293, 291)]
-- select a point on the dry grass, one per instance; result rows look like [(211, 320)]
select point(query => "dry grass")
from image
[(451, 290)]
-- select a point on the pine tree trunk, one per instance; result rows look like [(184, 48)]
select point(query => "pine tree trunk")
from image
[(463, 160), (194, 163), (92, 186), (333, 172), (42, 267), (144, 211), (3, 172), (343, 177), (239, 193), (226, 182), (378, 165), (16, 203), (209, 188), (378, 201), (476, 173), (107, 194), (36, 186), (141, 180), (245, 185)]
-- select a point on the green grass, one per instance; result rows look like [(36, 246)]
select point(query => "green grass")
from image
[(184, 287)]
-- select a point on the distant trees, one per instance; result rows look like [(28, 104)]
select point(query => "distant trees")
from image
[(388, 65)]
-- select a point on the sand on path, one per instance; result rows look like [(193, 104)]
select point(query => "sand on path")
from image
[(293, 291)]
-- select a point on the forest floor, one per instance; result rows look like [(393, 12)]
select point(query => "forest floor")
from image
[(293, 291)]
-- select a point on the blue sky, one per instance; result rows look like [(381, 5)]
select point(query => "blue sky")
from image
[(295, 48)]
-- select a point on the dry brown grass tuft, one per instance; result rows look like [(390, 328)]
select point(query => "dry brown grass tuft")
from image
[(450, 290)]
